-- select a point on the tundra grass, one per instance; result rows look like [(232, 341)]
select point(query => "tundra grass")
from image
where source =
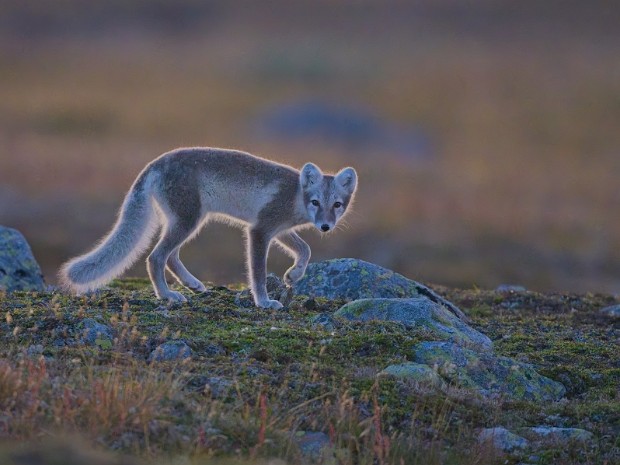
[(258, 379)]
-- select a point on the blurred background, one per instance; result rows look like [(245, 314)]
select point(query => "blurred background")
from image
[(486, 133)]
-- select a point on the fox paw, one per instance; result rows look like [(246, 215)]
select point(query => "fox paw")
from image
[(174, 297), (293, 275), (271, 304), (197, 287)]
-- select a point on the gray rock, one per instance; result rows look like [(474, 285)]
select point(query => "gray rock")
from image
[(19, 271), (313, 445), (419, 313), (490, 375), (612, 311), (352, 279), (96, 334), (274, 284), (559, 434), (171, 350), (415, 372), (502, 439)]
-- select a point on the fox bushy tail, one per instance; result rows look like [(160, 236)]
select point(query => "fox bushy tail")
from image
[(118, 250)]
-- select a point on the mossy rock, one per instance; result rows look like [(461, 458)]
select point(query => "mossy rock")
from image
[(413, 372), (418, 313), (488, 374), (352, 279), (19, 271)]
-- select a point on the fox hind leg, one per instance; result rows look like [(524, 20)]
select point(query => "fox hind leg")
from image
[(178, 270), (173, 235)]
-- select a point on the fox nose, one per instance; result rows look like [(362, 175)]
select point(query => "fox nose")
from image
[(324, 227)]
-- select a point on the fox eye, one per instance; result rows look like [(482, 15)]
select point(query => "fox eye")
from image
[(338, 205), (315, 203)]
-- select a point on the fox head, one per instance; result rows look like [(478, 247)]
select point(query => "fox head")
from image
[(326, 197)]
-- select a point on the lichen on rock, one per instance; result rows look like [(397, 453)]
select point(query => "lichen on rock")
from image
[(486, 373), (417, 313), (353, 279)]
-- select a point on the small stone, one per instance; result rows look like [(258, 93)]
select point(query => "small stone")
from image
[(612, 311), (95, 333), (275, 286), (502, 439), (415, 372), (19, 271), (171, 350)]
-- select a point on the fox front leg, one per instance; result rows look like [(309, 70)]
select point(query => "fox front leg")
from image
[(258, 246), (297, 248)]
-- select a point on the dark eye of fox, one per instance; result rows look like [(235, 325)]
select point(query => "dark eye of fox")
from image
[(315, 203), (337, 205)]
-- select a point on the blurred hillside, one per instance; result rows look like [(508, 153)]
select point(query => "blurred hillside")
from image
[(486, 133)]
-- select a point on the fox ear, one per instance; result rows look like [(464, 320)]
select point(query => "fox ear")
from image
[(347, 178), (310, 174)]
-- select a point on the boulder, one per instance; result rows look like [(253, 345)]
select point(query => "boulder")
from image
[(502, 439), (19, 271), (432, 318), (486, 373), (352, 279)]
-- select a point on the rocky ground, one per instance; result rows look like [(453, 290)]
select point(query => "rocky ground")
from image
[(361, 367)]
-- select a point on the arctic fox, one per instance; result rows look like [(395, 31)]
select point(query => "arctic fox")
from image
[(184, 189)]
